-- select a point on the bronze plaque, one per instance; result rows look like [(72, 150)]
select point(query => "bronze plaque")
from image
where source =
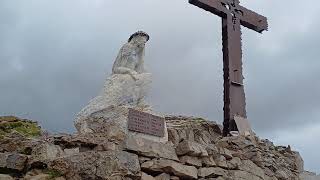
[(146, 123)]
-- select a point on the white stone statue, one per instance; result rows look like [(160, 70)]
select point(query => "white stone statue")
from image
[(125, 88), (129, 83), (130, 59)]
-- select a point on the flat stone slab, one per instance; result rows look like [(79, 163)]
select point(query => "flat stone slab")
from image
[(150, 148), (170, 167), (145, 176), (191, 160), (211, 172), (163, 176), (243, 125), (252, 168), (191, 148)]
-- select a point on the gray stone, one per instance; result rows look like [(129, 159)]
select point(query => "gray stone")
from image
[(72, 151), (170, 167), (163, 176), (143, 159), (226, 153), (145, 176), (13, 161), (5, 177), (192, 129), (182, 134), (218, 178), (3, 159), (107, 146), (191, 160), (46, 151), (243, 175), (252, 168), (173, 136), (238, 142), (223, 142), (203, 138), (150, 148), (191, 148), (221, 161), (16, 161), (16, 142), (211, 172), (282, 175), (39, 177), (208, 161), (234, 163), (97, 165), (254, 156), (212, 149), (174, 178), (190, 135)]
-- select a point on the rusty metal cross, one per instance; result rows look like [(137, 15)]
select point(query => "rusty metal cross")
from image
[(233, 16)]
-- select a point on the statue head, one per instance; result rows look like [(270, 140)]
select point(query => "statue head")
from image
[(139, 37)]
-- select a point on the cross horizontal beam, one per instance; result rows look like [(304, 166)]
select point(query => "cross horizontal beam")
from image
[(224, 8)]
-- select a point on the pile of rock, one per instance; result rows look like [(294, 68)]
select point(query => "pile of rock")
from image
[(195, 150)]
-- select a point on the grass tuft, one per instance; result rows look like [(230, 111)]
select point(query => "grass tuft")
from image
[(27, 128)]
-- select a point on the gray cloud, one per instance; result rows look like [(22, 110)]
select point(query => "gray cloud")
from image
[(55, 56)]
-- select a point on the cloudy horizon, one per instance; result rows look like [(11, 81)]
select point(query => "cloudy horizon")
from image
[(55, 56)]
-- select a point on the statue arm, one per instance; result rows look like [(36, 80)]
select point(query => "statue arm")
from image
[(124, 70), (119, 66)]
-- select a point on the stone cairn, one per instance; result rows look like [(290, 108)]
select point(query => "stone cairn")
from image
[(195, 150), (104, 148)]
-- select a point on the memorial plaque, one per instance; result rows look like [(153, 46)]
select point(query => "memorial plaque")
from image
[(146, 123)]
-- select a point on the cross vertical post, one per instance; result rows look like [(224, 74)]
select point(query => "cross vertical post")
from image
[(233, 16)]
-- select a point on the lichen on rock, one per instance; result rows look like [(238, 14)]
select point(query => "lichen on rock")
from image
[(9, 124)]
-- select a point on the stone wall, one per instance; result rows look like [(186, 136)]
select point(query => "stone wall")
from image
[(195, 150)]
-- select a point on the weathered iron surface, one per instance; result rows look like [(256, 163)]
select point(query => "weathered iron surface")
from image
[(233, 16), (145, 123)]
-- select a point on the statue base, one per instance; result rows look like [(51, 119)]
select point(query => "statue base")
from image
[(112, 122)]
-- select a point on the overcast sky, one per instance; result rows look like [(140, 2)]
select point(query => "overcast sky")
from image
[(56, 54)]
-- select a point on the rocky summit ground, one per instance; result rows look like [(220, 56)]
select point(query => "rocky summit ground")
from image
[(196, 150)]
